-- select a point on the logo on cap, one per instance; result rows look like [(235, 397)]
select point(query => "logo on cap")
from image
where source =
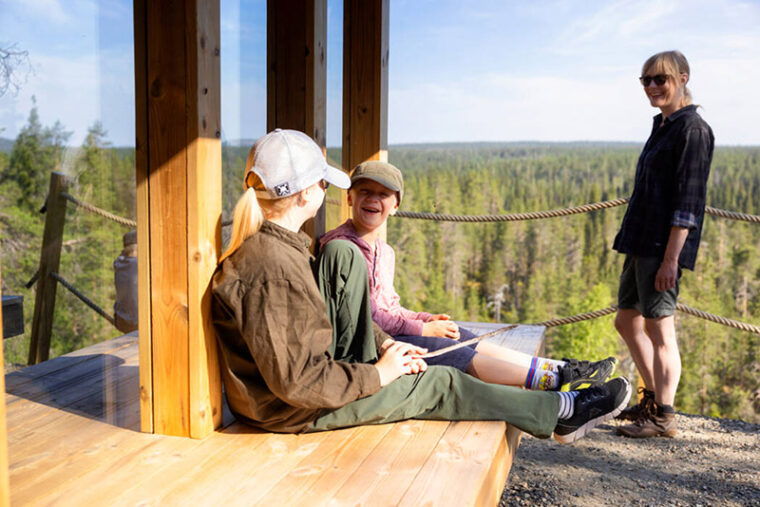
[(282, 190)]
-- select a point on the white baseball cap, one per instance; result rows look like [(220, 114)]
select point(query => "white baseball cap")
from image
[(288, 161)]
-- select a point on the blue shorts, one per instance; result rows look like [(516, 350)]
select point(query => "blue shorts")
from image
[(459, 358)]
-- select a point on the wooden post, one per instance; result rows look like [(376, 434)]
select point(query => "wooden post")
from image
[(297, 75), (50, 256), (178, 103), (365, 84), (5, 489)]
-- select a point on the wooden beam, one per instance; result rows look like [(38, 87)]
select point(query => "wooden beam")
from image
[(365, 84), (179, 212), (204, 190), (50, 257), (5, 489), (297, 75), (143, 216)]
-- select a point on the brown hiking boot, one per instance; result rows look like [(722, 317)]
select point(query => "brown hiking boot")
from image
[(633, 412), (652, 423)]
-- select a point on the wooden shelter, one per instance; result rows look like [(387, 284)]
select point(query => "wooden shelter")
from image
[(63, 452)]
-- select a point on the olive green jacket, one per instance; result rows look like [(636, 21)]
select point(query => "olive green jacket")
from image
[(275, 338)]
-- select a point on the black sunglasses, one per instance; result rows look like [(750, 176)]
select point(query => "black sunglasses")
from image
[(324, 184), (659, 79)]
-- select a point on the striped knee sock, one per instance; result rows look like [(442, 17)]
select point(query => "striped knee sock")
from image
[(567, 404)]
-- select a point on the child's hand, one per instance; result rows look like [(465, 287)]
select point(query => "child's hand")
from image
[(440, 316), (400, 359), (441, 328)]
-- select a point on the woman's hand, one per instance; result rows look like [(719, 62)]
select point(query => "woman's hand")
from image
[(441, 329), (666, 276), (440, 316), (400, 359)]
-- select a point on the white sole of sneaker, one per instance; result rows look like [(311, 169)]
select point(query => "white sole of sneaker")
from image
[(593, 423)]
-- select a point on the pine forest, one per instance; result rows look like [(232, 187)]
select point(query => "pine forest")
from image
[(522, 272)]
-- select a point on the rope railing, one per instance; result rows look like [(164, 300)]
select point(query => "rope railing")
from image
[(82, 297), (717, 319), (98, 211), (733, 215), (572, 319), (512, 217), (536, 215)]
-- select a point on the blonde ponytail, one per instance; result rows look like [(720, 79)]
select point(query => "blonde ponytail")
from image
[(250, 212), (246, 221)]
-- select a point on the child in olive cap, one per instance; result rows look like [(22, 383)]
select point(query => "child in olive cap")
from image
[(376, 191)]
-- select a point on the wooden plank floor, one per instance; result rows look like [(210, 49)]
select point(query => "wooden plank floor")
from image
[(73, 439)]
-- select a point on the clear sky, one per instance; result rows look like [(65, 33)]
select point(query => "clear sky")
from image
[(476, 70)]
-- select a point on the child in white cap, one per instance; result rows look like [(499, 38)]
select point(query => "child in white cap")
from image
[(282, 369)]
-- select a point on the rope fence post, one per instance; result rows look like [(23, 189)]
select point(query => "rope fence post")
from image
[(50, 257)]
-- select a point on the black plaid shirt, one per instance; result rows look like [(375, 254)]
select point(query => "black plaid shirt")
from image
[(670, 187)]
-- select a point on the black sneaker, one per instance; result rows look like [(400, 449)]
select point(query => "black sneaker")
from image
[(593, 406), (577, 375)]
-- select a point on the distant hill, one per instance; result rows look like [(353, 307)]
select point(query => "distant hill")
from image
[(6, 145)]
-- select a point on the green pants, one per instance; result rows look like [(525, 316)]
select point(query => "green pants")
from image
[(440, 393)]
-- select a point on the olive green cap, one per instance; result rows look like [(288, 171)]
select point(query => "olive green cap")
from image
[(384, 173)]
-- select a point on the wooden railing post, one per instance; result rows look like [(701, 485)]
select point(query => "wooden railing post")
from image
[(50, 256)]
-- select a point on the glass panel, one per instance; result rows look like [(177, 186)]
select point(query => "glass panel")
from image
[(244, 88), (334, 107), (67, 105)]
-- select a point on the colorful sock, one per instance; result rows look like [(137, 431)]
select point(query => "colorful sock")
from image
[(543, 374), (566, 404), (545, 363), (546, 381)]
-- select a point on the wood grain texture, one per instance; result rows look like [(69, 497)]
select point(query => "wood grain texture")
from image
[(204, 227), (63, 451), (5, 498), (178, 96), (365, 85), (167, 155), (387, 472), (143, 215), (326, 469), (50, 257)]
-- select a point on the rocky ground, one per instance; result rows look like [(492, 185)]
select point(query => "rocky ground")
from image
[(711, 462)]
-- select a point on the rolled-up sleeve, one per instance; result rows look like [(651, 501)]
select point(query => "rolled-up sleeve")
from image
[(691, 178), (288, 340)]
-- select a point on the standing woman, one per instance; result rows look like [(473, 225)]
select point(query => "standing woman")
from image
[(660, 236)]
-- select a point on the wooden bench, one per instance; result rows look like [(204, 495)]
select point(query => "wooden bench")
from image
[(73, 440)]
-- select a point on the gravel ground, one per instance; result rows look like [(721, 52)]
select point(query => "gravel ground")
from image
[(711, 462)]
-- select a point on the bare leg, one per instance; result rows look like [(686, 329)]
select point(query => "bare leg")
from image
[(494, 371), (630, 325), (667, 359), (514, 357)]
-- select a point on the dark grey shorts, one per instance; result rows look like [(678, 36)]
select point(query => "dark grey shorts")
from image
[(636, 290)]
